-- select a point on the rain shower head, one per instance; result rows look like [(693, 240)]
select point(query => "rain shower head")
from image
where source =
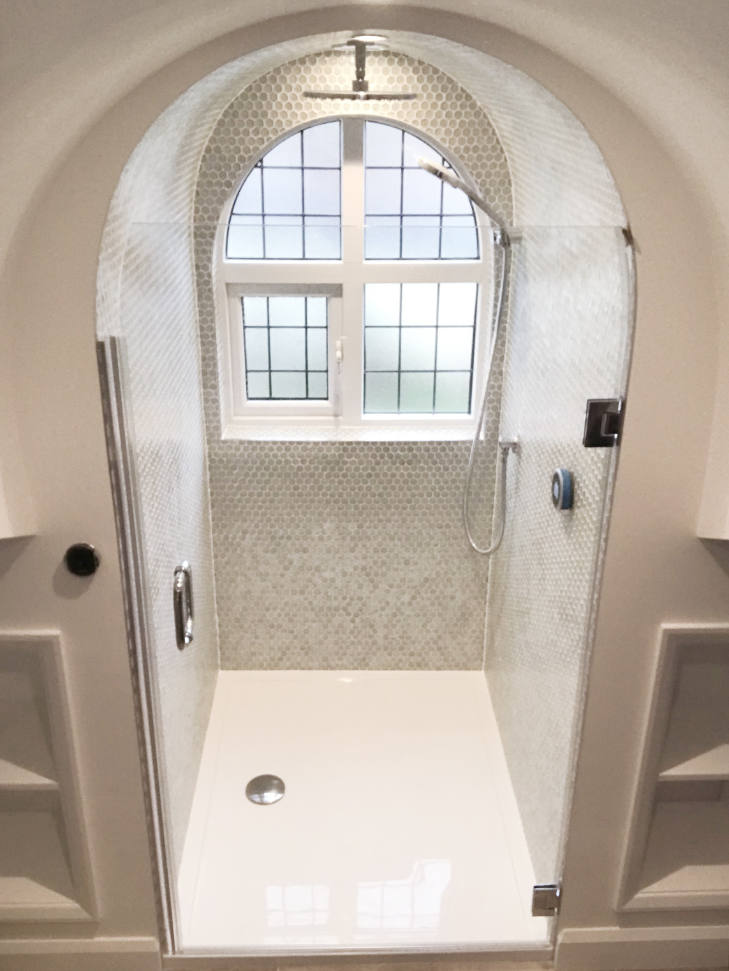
[(360, 85)]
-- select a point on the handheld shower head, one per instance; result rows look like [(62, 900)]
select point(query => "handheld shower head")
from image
[(447, 175), (442, 173)]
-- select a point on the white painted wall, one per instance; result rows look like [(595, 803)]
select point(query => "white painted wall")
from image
[(83, 80)]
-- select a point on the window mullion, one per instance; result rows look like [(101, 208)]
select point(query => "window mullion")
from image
[(352, 269)]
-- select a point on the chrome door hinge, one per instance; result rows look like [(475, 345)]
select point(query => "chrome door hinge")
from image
[(546, 899), (603, 422)]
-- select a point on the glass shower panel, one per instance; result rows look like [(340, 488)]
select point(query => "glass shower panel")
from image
[(156, 332), (568, 337)]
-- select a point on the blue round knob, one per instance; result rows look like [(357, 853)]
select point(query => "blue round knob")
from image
[(562, 489)]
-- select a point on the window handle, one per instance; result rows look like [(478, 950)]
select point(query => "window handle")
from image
[(339, 351)]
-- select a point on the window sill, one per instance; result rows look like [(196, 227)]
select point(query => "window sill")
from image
[(423, 429)]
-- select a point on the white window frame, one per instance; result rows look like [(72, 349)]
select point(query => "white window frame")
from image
[(342, 281)]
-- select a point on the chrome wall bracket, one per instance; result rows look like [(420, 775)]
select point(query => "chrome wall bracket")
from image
[(546, 899), (603, 422)]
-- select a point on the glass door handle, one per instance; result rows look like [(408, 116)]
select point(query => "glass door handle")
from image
[(182, 602)]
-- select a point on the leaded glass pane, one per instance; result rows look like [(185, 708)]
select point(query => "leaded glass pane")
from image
[(322, 145), (288, 349), (288, 384), (383, 145), (283, 238), (416, 392), (381, 393), (455, 345), (452, 392), (427, 219), (382, 348), (418, 347), (382, 304), (256, 348), (419, 304), (289, 206), (457, 304), (245, 238), (382, 238), (285, 341), (420, 238)]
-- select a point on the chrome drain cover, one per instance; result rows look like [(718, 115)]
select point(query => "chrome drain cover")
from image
[(264, 790)]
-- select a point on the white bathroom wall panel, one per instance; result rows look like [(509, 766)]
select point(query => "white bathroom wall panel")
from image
[(343, 555), (568, 338)]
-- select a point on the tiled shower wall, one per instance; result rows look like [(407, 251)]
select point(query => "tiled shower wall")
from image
[(351, 554)]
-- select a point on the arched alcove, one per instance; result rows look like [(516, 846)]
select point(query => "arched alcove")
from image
[(570, 315)]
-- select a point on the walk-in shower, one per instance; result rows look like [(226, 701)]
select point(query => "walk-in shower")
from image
[(317, 361)]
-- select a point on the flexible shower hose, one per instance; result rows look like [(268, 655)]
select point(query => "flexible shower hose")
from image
[(504, 449)]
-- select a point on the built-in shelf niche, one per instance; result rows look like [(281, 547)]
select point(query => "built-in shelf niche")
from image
[(677, 856), (45, 873)]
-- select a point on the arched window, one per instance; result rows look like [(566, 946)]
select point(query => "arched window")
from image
[(353, 280)]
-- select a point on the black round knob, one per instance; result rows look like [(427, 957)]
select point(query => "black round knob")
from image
[(82, 559)]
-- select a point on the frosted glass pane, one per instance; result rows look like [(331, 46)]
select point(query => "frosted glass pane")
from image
[(322, 238), (457, 304), (383, 144), (287, 152), (417, 349), (419, 304), (287, 349), (255, 311), (286, 311), (380, 394), (415, 148), (382, 238), (382, 304), (452, 392), (317, 349), (321, 192), (288, 384), (455, 201), (318, 386), (455, 345), (282, 190), (257, 386), (283, 237), (420, 192), (459, 239), (256, 349), (382, 348), (416, 392), (316, 311), (382, 191), (420, 237), (245, 241), (321, 145), (249, 197)]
